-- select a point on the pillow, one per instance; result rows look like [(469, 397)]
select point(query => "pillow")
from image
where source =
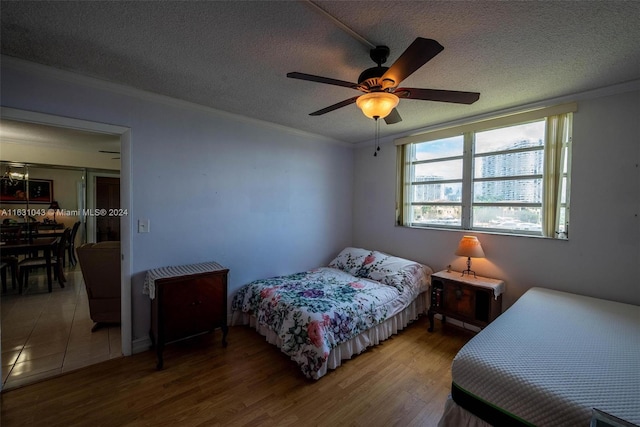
[(397, 272), (350, 260)]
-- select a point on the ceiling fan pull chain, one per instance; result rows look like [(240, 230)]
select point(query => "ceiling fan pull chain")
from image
[(377, 137)]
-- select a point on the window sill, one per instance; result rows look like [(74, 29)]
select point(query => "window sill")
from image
[(482, 231)]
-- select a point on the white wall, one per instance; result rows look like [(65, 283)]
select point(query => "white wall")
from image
[(260, 199), (602, 255)]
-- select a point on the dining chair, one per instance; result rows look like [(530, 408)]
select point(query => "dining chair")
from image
[(3, 272), (57, 260), (71, 244), (9, 263), (10, 235), (32, 230)]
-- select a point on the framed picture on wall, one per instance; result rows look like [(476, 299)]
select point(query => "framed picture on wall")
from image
[(13, 191)]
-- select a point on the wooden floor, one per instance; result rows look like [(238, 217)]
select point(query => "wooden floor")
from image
[(402, 382)]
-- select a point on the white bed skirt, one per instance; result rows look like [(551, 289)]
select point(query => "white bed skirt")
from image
[(356, 345), (457, 416)]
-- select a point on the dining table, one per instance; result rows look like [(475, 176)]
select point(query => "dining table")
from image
[(10, 232), (45, 244), (48, 233)]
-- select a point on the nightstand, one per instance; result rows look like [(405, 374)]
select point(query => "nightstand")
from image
[(186, 301), (473, 300)]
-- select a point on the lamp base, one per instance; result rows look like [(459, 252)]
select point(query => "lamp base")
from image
[(469, 270)]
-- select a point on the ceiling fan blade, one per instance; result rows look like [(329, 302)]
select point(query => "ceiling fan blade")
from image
[(437, 95), (393, 117), (335, 106), (415, 56), (320, 79)]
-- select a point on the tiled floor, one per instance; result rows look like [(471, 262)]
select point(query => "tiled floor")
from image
[(45, 334)]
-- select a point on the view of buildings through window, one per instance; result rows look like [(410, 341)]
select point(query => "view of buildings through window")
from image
[(501, 176)]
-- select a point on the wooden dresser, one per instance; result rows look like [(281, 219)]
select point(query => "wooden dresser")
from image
[(186, 301), (473, 300)]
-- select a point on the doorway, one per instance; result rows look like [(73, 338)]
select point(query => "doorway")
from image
[(107, 200), (124, 135)]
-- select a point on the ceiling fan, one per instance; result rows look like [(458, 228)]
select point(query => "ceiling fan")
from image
[(110, 152), (380, 84)]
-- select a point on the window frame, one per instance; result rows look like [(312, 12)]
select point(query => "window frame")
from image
[(406, 182)]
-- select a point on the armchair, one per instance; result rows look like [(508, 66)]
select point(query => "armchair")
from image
[(100, 265)]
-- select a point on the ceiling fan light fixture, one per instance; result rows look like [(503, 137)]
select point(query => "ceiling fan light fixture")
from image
[(377, 105)]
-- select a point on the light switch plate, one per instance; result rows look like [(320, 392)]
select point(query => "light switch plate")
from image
[(144, 226)]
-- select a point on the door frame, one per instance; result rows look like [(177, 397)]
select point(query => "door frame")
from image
[(125, 199)]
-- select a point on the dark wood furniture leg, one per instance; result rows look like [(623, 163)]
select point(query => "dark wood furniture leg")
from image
[(430, 314), (4, 277), (160, 361), (61, 276), (47, 256)]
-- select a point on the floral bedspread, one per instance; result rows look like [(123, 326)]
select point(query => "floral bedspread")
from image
[(314, 311)]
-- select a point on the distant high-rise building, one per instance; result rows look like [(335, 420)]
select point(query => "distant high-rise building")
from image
[(522, 163), (428, 193)]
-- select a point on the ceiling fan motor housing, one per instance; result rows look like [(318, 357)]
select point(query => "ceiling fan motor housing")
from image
[(370, 78)]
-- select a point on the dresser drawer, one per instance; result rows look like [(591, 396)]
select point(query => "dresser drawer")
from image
[(460, 299)]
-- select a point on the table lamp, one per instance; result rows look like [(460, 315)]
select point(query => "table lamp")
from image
[(470, 246), (55, 207)]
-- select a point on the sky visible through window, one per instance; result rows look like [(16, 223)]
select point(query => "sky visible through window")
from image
[(491, 140), (486, 141)]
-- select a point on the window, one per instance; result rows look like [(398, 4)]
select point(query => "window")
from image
[(507, 175)]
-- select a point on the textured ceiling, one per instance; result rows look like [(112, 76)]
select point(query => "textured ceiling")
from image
[(234, 55)]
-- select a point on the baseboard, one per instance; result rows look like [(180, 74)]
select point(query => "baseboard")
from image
[(141, 344)]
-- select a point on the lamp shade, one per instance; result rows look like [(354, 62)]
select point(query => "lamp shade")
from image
[(54, 205), (470, 247), (377, 105)]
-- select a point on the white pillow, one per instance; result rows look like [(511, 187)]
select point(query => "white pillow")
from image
[(397, 272), (350, 260)]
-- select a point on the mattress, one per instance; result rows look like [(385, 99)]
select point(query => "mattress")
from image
[(553, 357)]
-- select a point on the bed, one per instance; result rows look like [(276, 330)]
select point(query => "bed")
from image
[(552, 359), (325, 315)]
